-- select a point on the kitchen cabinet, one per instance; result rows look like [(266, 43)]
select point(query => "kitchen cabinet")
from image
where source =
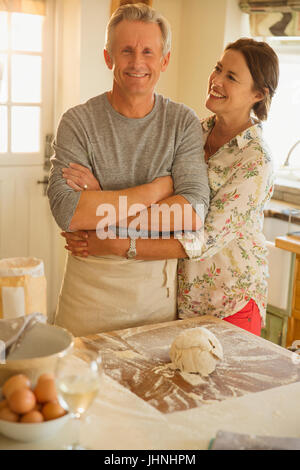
[(292, 244), (282, 321), (275, 328)]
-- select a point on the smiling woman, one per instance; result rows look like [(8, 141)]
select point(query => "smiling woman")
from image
[(242, 83)]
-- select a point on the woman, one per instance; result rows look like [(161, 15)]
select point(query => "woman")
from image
[(226, 273), (231, 281)]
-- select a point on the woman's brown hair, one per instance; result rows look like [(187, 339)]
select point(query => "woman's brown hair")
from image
[(263, 64)]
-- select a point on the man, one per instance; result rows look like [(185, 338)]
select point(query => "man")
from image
[(131, 139)]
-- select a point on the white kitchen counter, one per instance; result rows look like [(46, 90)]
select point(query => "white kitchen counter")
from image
[(121, 420), (118, 421)]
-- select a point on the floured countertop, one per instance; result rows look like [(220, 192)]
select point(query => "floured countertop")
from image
[(138, 359), (142, 404)]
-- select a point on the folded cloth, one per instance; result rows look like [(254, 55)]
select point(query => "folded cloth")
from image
[(12, 330), (234, 441)]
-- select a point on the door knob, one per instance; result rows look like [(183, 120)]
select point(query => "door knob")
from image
[(45, 182)]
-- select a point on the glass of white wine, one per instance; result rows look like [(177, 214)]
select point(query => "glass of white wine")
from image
[(78, 377)]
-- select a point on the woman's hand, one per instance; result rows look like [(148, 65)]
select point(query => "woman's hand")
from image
[(80, 178), (77, 242), (164, 187), (85, 242)]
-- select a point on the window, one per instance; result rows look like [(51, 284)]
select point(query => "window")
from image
[(282, 129), (21, 47)]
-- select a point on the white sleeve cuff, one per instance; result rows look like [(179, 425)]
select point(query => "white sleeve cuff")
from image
[(192, 243)]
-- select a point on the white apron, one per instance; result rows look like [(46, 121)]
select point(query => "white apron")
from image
[(110, 293)]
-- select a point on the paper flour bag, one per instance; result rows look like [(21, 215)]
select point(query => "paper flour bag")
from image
[(22, 287)]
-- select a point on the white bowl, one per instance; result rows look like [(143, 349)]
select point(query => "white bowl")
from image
[(29, 432), (38, 353)]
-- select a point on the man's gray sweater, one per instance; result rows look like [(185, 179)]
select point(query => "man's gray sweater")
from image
[(125, 152)]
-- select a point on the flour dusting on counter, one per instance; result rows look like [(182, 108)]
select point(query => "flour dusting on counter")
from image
[(193, 379), (138, 359), (128, 354)]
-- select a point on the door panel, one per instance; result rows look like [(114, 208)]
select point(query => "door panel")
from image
[(26, 224), (26, 65)]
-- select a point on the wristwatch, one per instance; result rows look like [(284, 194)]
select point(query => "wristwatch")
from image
[(131, 253)]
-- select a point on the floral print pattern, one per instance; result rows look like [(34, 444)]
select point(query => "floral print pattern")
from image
[(227, 263)]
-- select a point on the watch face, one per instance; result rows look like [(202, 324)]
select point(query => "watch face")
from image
[(131, 254)]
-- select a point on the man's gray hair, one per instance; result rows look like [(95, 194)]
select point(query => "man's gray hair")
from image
[(139, 12)]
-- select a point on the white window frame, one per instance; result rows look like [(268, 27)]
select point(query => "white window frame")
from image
[(47, 87), (282, 46)]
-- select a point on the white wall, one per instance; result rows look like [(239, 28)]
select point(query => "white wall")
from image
[(95, 77), (80, 68), (67, 55), (67, 77), (201, 29), (236, 22), (205, 27), (168, 84), (201, 43)]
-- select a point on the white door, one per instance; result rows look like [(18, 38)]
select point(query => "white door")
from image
[(26, 118)]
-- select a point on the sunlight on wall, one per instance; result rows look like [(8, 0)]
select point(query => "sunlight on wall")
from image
[(282, 128)]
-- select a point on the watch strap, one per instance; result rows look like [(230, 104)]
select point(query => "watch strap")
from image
[(131, 253)]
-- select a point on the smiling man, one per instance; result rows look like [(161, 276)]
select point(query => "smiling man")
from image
[(130, 143), (137, 61)]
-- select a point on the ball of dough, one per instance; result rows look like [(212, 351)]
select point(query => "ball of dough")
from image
[(196, 350)]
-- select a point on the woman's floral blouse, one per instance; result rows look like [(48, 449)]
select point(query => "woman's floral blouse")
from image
[(227, 264)]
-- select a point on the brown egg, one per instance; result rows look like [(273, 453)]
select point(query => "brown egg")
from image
[(3, 404), (38, 407), (33, 416), (45, 391), (46, 376), (21, 401), (52, 411), (14, 383), (7, 415)]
